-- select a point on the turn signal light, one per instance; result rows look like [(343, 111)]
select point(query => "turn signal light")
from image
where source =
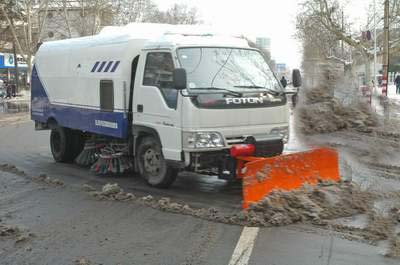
[(242, 150)]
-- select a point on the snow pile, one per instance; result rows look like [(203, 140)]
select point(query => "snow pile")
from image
[(109, 192), (47, 180), (311, 204), (15, 232)]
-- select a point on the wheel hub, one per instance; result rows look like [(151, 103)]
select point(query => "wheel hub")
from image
[(152, 161)]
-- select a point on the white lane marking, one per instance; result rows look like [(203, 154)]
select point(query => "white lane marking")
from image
[(244, 247)]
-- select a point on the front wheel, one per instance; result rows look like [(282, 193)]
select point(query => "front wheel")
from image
[(152, 165)]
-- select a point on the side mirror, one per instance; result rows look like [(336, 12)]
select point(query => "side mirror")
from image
[(296, 78), (179, 78)]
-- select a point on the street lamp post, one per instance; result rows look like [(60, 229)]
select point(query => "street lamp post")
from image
[(16, 69), (375, 77)]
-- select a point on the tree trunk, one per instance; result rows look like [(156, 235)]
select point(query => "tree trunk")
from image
[(13, 32), (29, 47), (66, 16), (367, 71), (29, 70)]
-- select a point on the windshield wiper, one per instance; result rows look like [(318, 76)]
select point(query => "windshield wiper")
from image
[(231, 92), (270, 91)]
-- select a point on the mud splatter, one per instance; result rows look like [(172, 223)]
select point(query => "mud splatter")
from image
[(395, 214), (394, 248), (263, 174)]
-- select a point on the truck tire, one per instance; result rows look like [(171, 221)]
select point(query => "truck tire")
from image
[(78, 142), (62, 144), (152, 165)]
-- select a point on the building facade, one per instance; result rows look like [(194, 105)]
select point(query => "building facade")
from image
[(264, 43), (7, 68)]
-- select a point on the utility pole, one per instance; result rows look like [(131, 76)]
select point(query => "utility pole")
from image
[(385, 59)]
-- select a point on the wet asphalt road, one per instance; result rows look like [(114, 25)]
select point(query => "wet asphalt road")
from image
[(69, 224)]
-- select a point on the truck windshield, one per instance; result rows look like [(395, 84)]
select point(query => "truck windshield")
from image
[(234, 69)]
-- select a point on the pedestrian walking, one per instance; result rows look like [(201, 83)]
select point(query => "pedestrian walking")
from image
[(13, 90), (8, 90), (397, 83), (283, 81)]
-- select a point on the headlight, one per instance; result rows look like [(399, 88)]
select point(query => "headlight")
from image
[(283, 132), (202, 140)]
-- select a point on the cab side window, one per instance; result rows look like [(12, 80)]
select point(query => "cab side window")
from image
[(106, 95), (158, 72)]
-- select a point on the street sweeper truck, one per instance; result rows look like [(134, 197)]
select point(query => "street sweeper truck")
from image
[(165, 98)]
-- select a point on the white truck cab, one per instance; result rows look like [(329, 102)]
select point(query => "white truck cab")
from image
[(179, 97)]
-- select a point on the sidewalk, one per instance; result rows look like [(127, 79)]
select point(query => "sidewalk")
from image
[(389, 107), (19, 104), (22, 96), (392, 94)]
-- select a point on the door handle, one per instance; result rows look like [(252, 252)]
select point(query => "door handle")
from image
[(140, 108)]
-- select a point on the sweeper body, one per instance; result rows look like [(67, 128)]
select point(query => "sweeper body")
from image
[(179, 98)]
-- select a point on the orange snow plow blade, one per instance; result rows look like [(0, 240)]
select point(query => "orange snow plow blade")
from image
[(285, 172)]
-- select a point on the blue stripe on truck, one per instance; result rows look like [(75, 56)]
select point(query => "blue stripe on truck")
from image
[(95, 66), (108, 66), (101, 122), (115, 67), (101, 66)]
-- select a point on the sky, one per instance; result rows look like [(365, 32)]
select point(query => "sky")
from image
[(263, 18)]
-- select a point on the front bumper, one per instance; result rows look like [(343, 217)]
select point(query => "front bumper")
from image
[(221, 163)]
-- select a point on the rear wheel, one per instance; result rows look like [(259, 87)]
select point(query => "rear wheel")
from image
[(78, 140), (152, 165), (65, 144)]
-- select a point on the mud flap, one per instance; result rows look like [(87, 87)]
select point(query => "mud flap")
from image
[(286, 172)]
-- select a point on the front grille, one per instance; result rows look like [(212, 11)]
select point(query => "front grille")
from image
[(269, 148)]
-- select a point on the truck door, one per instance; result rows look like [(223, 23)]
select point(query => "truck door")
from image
[(155, 101)]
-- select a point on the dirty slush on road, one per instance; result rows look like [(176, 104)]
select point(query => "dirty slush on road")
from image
[(357, 207)]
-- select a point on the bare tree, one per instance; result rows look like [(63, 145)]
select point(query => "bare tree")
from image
[(127, 11), (86, 17), (21, 19), (177, 14), (322, 25), (29, 22), (76, 18)]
